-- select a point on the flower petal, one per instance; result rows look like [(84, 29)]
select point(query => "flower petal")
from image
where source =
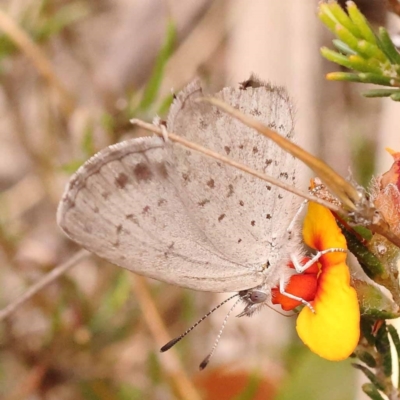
[(321, 232), (304, 286), (333, 330)]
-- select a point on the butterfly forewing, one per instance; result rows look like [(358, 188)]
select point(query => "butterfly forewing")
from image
[(124, 205)]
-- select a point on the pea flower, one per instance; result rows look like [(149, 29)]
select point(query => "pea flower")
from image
[(333, 330)]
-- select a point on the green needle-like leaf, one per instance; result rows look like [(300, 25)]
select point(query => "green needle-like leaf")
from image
[(343, 76), (381, 92), (335, 57), (342, 47), (368, 261), (346, 36), (360, 22), (342, 18), (370, 375), (325, 18), (395, 96), (371, 391), (376, 79), (388, 47), (366, 358), (371, 50), (396, 342), (360, 64), (382, 344)]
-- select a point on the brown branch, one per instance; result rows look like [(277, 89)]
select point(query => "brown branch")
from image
[(182, 384), (49, 278), (38, 58)]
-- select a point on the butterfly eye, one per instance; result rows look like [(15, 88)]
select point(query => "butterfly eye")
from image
[(257, 296)]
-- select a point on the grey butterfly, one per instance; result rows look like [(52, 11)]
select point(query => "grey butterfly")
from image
[(169, 213)]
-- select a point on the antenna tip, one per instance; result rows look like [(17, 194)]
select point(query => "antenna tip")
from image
[(204, 363), (170, 344)]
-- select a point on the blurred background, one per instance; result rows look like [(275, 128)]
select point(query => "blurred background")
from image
[(72, 75)]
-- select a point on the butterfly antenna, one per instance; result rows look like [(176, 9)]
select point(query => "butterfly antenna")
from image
[(173, 342), (205, 362)]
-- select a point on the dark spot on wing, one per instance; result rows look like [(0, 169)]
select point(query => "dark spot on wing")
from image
[(203, 124), (142, 172), (241, 203), (253, 223), (188, 153), (186, 177), (239, 240), (131, 217), (255, 150), (227, 150), (268, 216), (146, 210), (280, 196), (221, 217), (268, 162), (231, 191), (171, 246), (96, 209), (241, 146), (284, 175), (121, 180), (211, 183), (203, 202), (256, 111), (161, 202), (268, 187), (119, 229), (219, 164), (105, 195)]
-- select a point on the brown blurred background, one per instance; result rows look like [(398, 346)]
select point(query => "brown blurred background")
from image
[(72, 74)]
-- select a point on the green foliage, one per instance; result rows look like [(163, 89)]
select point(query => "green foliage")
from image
[(153, 85), (311, 379), (375, 351), (373, 58), (47, 22)]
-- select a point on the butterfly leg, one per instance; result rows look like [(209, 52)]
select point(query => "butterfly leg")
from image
[(301, 268), (164, 132), (295, 218), (162, 125), (282, 285)]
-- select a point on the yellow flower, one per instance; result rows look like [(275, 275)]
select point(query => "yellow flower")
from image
[(333, 330)]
